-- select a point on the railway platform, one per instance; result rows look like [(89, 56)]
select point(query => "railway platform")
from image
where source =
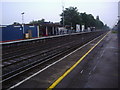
[(93, 65), (101, 71)]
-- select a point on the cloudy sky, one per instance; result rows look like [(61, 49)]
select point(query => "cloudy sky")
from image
[(50, 10)]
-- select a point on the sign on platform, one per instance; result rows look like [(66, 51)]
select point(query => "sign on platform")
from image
[(77, 28), (83, 27)]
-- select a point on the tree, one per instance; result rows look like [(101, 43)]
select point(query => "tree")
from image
[(99, 24), (71, 16), (37, 22), (41, 21), (87, 20), (84, 19), (16, 23), (91, 20), (97, 18), (105, 27)]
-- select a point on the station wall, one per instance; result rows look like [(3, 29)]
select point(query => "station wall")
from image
[(15, 32)]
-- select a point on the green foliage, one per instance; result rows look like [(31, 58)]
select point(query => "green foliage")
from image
[(16, 23), (114, 31), (87, 20), (105, 27), (73, 17), (99, 24), (37, 22)]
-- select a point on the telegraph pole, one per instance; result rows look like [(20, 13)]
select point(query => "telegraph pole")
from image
[(63, 17), (23, 21), (63, 14)]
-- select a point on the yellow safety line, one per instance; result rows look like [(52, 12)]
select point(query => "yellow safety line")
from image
[(69, 70)]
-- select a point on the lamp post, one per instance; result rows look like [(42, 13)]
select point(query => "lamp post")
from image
[(23, 21)]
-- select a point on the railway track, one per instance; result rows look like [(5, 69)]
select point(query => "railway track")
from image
[(40, 53)]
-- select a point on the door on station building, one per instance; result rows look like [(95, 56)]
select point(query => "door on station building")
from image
[(41, 31), (30, 33)]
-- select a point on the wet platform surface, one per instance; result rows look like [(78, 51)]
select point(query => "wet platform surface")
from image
[(102, 69), (99, 69)]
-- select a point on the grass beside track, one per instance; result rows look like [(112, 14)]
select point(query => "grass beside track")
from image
[(114, 31)]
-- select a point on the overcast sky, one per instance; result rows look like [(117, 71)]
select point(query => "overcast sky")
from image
[(50, 10)]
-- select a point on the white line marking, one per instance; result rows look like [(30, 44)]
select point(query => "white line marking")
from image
[(51, 65), (97, 62), (81, 72), (102, 53), (89, 72), (94, 67)]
